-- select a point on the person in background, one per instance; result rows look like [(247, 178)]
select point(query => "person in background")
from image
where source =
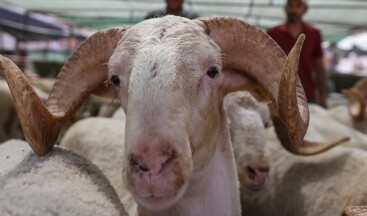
[(311, 69), (173, 7)]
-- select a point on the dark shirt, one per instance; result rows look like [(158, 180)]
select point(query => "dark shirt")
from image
[(311, 50), (163, 12)]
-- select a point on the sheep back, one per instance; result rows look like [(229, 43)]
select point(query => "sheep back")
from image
[(60, 183)]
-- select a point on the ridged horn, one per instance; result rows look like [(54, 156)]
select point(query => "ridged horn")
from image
[(247, 49), (355, 211), (357, 99), (83, 72)]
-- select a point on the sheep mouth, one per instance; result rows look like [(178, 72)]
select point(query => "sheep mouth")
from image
[(158, 202), (255, 187)]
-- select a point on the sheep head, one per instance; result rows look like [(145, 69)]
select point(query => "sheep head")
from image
[(247, 121), (171, 74)]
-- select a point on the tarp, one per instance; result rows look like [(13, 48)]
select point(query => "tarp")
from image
[(336, 18), (28, 26)]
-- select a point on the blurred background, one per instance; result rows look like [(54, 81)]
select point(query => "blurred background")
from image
[(40, 34)]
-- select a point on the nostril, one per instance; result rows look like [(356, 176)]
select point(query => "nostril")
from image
[(251, 172), (141, 167), (257, 172)]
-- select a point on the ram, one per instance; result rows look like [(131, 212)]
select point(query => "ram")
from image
[(171, 75), (61, 183), (100, 139)]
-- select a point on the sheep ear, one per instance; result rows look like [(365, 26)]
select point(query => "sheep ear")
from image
[(84, 72)]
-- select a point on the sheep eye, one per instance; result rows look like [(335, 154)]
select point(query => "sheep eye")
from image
[(212, 72), (115, 79)]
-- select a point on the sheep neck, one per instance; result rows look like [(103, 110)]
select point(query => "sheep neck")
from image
[(216, 191)]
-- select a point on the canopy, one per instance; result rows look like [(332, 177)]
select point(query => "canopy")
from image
[(336, 18), (25, 25)]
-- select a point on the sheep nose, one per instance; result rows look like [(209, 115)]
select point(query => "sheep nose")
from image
[(257, 174), (141, 167), (152, 163)]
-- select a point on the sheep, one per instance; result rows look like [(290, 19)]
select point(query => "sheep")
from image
[(316, 185), (288, 172), (100, 139), (61, 183), (248, 135), (295, 185), (344, 109), (247, 119), (171, 75)]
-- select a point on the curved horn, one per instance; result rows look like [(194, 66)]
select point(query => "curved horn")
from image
[(83, 72), (356, 97), (246, 48), (355, 211)]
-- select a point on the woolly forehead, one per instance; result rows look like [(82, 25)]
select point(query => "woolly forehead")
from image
[(170, 47), (164, 54)]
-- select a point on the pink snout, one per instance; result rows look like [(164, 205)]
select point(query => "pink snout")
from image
[(151, 165), (156, 175), (257, 176)]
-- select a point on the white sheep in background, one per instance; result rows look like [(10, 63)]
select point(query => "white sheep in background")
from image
[(344, 109), (248, 135), (320, 130), (315, 185), (60, 183), (302, 186), (247, 120), (171, 75)]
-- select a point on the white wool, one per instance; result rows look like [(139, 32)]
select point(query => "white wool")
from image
[(324, 127), (61, 183), (298, 185), (101, 140)]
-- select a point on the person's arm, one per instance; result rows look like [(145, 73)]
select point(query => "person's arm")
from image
[(321, 81)]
